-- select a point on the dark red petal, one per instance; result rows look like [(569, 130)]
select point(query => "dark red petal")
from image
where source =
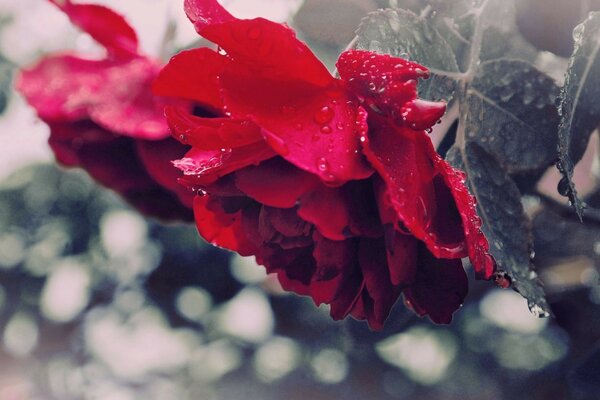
[(114, 94), (157, 157), (205, 167), (340, 213), (211, 133), (477, 245), (275, 182), (401, 250), (378, 285), (313, 128), (192, 75), (205, 12), (439, 289), (386, 82), (107, 27), (414, 190), (113, 161), (336, 263), (220, 227)]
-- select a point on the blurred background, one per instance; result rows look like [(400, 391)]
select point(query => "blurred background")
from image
[(97, 302)]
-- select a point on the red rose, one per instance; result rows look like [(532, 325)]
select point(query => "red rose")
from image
[(333, 184), (104, 118)]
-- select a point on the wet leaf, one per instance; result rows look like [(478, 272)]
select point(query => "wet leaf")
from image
[(510, 112), (580, 108), (505, 224), (402, 33)]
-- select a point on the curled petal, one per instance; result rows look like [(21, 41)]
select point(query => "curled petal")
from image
[(206, 12), (211, 133), (107, 27), (414, 188), (440, 287), (202, 167)]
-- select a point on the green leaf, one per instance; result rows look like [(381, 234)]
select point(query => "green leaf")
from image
[(504, 222), (510, 112), (404, 34), (580, 105)]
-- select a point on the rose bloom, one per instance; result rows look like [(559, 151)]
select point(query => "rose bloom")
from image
[(333, 184), (104, 118)]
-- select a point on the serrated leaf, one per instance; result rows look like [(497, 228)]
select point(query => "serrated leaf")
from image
[(510, 112), (402, 33), (504, 222), (579, 107)]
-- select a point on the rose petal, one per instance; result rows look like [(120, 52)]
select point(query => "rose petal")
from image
[(205, 167), (221, 226), (86, 145), (206, 12), (275, 182), (378, 285), (340, 213), (478, 246), (439, 289), (114, 94), (107, 27), (192, 74), (420, 197), (157, 157)]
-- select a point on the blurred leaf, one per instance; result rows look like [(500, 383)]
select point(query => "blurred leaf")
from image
[(504, 222), (5, 82), (402, 33), (510, 112), (579, 108)]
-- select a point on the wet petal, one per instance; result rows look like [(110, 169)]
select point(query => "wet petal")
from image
[(107, 27), (414, 188), (385, 82), (192, 75), (312, 128), (439, 289), (275, 182), (202, 167), (211, 133), (206, 12)]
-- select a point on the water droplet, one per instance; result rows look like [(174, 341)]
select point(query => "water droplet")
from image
[(326, 129), (563, 186), (501, 279), (324, 115), (340, 126), (322, 164), (538, 311)]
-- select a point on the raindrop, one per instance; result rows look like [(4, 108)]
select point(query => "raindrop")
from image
[(322, 164), (326, 129), (563, 186), (324, 115)]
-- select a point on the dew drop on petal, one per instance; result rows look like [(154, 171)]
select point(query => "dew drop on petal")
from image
[(324, 115), (326, 129)]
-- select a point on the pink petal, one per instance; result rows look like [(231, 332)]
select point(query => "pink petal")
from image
[(107, 27)]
